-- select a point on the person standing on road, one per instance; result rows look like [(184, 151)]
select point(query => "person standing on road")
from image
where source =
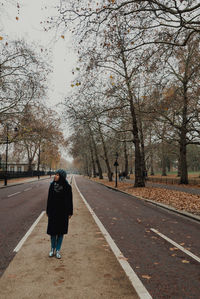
[(59, 210)]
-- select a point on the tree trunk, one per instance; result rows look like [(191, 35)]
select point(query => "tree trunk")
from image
[(97, 158), (179, 167), (151, 155), (30, 160), (93, 162), (164, 173), (144, 170), (139, 174), (125, 159), (183, 161), (105, 154), (151, 161), (183, 141)]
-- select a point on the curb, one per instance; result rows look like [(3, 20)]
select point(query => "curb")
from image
[(169, 208), (16, 184)]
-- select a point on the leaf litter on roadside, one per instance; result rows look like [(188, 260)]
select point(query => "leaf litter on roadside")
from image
[(177, 199)]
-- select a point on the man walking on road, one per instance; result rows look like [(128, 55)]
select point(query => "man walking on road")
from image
[(59, 210)]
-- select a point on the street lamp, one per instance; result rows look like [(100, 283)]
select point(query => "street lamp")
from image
[(116, 164)]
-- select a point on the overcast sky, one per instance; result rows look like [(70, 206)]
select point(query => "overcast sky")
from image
[(24, 22), (30, 13)]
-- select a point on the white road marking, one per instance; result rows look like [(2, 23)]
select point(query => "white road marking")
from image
[(176, 245), (27, 189), (17, 248), (13, 194), (134, 279)]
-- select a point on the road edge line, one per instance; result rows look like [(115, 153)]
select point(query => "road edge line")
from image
[(134, 279), (20, 244)]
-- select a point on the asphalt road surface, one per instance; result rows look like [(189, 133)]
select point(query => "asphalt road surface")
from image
[(165, 270), (20, 206)]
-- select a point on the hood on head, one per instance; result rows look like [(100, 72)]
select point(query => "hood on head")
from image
[(62, 173)]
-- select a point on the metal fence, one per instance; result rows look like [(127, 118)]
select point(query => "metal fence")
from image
[(21, 174)]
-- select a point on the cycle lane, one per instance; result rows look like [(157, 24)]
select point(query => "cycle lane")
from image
[(164, 269)]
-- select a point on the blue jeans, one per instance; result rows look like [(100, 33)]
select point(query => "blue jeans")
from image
[(56, 242)]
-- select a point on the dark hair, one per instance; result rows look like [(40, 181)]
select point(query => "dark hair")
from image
[(62, 180)]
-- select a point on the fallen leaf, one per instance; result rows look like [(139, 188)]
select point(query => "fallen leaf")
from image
[(1, 37), (146, 276), (185, 262), (123, 258), (173, 248)]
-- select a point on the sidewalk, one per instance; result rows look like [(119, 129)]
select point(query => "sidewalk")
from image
[(88, 268), (16, 181)]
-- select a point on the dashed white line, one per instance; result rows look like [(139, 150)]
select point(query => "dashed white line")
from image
[(27, 189), (176, 245), (134, 279), (13, 194), (17, 248)]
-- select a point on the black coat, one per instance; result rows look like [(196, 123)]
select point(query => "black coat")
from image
[(59, 207)]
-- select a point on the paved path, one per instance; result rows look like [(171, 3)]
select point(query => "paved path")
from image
[(88, 269), (163, 269), (17, 181)]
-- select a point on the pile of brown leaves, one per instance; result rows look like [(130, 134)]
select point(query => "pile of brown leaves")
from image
[(177, 199)]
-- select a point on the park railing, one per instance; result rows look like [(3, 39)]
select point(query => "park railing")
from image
[(21, 174), (175, 180)]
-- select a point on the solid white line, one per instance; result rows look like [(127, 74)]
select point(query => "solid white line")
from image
[(13, 194), (17, 248), (177, 245), (134, 279), (27, 189)]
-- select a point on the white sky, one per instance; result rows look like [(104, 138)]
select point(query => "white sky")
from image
[(28, 27)]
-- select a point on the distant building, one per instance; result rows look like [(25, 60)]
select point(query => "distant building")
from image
[(17, 166)]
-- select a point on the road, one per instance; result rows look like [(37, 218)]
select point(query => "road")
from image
[(20, 206), (165, 270)]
